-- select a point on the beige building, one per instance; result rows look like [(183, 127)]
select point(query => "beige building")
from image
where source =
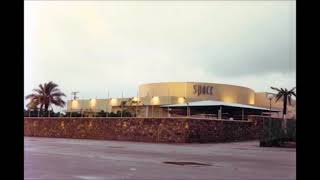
[(154, 95)]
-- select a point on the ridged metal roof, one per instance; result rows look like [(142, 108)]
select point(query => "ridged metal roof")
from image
[(218, 103)]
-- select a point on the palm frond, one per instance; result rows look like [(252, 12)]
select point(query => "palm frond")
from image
[(58, 102), (39, 91), (278, 97), (275, 88), (292, 90), (50, 87), (30, 96), (58, 94), (41, 88)]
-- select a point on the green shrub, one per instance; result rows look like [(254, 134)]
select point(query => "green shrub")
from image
[(272, 134), (291, 130), (101, 114), (73, 114)]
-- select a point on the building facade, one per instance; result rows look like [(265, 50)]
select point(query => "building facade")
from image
[(152, 96)]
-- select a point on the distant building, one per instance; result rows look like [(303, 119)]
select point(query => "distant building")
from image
[(171, 99)]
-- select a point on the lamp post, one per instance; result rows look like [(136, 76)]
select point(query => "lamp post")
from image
[(74, 94), (81, 107), (107, 104), (185, 98), (152, 102), (137, 101), (121, 103), (270, 97), (71, 108), (188, 113), (95, 109), (93, 104), (169, 100)]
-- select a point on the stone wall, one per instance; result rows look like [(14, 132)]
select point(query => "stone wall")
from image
[(127, 129), (204, 131), (165, 130)]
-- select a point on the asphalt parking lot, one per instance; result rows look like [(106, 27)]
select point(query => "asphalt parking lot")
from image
[(56, 158)]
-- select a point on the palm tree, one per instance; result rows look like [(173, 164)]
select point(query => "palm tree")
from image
[(33, 105), (46, 95), (135, 102), (286, 96), (122, 104)]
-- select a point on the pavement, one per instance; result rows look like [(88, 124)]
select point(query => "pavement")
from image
[(65, 159)]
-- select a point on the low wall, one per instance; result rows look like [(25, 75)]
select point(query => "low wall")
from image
[(165, 130)]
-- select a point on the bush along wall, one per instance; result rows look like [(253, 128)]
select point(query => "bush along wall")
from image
[(274, 135), (291, 130)]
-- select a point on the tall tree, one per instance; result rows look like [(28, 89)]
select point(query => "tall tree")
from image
[(46, 95), (286, 96)]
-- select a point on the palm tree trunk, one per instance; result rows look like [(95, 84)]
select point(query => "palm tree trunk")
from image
[(41, 107), (46, 107), (284, 126)]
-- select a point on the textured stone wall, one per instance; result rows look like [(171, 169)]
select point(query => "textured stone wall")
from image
[(204, 131), (127, 129), (165, 130)]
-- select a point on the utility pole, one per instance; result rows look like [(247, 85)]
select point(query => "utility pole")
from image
[(185, 97), (95, 109), (74, 94), (121, 103), (138, 100), (169, 100), (152, 101), (107, 105)]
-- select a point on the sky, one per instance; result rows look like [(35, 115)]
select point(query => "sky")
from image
[(96, 47)]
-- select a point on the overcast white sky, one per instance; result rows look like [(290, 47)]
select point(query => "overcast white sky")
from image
[(99, 46)]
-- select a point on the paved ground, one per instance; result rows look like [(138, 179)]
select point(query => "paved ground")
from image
[(50, 158)]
